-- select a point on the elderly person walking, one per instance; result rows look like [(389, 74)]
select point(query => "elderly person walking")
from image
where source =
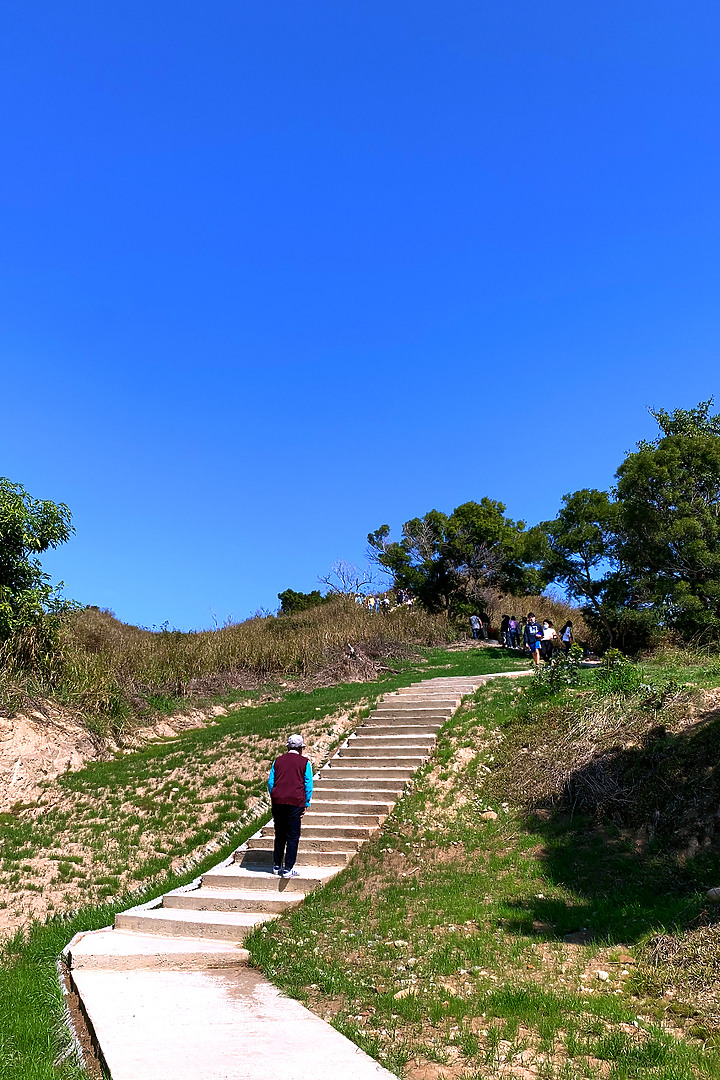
[(291, 786)]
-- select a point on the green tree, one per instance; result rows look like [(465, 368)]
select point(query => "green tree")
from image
[(291, 602), (578, 550), (451, 561), (645, 559), (28, 527), (669, 532)]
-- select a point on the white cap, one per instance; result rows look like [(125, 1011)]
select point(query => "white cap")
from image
[(295, 742)]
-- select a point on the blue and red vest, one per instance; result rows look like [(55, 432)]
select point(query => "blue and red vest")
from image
[(289, 785)]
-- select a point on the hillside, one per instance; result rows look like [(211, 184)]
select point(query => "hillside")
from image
[(142, 822), (502, 925)]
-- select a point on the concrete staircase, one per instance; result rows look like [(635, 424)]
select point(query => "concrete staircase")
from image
[(155, 1003), (353, 795)]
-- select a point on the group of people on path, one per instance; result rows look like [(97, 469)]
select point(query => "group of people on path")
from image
[(384, 603), (542, 639)]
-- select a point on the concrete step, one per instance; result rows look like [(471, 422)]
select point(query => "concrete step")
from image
[(377, 771), (422, 712), (224, 925), (257, 857), (310, 844), (342, 800), (236, 876), (425, 727), (407, 716), (428, 701), (250, 900), (327, 780), (391, 742), (356, 807), (392, 756), (336, 816), (323, 832), (422, 722), (126, 950)]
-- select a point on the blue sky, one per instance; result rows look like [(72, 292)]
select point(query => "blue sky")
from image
[(273, 275)]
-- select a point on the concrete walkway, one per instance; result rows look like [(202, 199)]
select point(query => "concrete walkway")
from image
[(167, 992)]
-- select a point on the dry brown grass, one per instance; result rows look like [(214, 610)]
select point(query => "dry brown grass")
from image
[(111, 673)]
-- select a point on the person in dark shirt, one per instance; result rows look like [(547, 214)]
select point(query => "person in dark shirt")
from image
[(290, 785), (532, 636)]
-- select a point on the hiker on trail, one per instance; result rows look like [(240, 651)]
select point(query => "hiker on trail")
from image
[(475, 625), (566, 636), (484, 624), (512, 633), (504, 628), (532, 637), (291, 786), (549, 641)]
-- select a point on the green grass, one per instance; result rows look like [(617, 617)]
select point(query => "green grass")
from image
[(466, 919), (160, 795)]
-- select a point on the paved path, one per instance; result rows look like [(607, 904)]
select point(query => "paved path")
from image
[(167, 991)]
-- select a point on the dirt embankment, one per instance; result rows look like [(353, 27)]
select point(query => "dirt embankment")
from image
[(44, 742)]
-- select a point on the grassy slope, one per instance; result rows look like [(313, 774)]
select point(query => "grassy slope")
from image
[(457, 945), (109, 807)]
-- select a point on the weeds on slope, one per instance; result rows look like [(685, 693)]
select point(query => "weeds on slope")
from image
[(474, 938), (100, 819)]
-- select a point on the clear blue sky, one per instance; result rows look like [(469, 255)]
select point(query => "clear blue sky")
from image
[(273, 275)]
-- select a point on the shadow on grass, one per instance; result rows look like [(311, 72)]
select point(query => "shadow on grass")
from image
[(635, 840)]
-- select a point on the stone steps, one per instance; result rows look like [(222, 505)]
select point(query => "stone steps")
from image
[(423, 727), (353, 795), (411, 714), (391, 742), (153, 1000), (263, 856), (235, 876), (313, 831), (378, 756), (223, 925), (358, 806), (327, 781), (324, 816), (376, 771), (223, 899)]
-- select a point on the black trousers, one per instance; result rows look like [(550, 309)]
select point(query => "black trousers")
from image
[(286, 820)]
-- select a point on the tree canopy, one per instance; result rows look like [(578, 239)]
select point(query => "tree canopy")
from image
[(291, 601), (450, 561), (642, 559), (27, 528)]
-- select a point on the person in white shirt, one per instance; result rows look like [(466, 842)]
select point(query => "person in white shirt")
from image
[(547, 645)]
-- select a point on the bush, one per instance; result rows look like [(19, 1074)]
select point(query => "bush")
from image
[(618, 675), (563, 672)]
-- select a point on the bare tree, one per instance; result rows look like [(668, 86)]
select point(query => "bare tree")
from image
[(346, 579)]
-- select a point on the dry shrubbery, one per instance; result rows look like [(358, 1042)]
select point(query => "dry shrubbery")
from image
[(646, 760), (105, 668)]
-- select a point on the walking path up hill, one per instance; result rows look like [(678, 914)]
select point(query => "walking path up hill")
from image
[(167, 992)]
